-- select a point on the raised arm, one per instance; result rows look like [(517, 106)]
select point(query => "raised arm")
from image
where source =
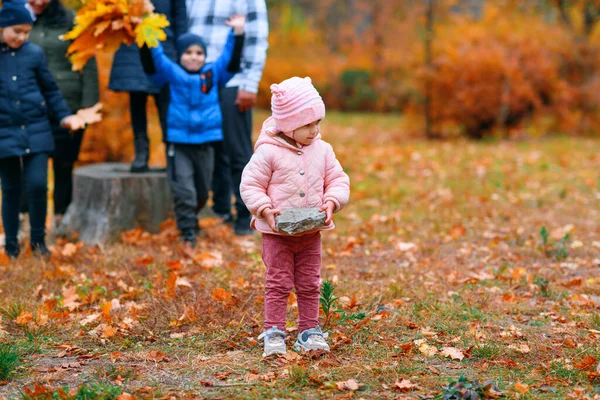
[(159, 68), (256, 44)]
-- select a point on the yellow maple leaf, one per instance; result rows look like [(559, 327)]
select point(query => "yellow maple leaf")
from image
[(150, 31)]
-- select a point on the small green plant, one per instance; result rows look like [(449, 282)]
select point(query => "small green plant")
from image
[(9, 360), (13, 310), (543, 284), (328, 305), (298, 375), (467, 390), (545, 238), (558, 249)]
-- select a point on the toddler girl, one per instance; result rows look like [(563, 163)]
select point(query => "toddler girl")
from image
[(292, 167)]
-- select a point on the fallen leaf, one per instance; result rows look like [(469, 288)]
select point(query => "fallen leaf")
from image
[(453, 353), (586, 363), (156, 356), (401, 246), (405, 385), (522, 388), (522, 348), (183, 282), (109, 332), (89, 319), (70, 298), (126, 396), (350, 384), (69, 250), (428, 350), (24, 318), (2, 331)]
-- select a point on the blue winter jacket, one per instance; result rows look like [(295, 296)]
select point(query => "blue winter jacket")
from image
[(126, 74), (29, 98), (194, 115)]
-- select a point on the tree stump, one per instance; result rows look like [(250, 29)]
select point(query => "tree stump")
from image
[(108, 200)]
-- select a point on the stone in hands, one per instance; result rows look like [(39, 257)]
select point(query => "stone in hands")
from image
[(298, 220)]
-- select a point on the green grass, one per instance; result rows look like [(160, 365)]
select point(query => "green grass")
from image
[(9, 360)]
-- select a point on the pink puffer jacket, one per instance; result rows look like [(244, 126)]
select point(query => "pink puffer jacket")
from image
[(282, 176)]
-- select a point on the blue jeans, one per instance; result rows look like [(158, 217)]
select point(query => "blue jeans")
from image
[(32, 170)]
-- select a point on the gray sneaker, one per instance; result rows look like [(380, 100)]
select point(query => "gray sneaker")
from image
[(274, 341), (311, 339)]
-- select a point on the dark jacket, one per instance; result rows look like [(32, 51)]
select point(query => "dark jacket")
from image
[(194, 115), (80, 89), (29, 98), (127, 74)]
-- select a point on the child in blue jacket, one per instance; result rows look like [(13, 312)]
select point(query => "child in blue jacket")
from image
[(194, 120), (29, 98)]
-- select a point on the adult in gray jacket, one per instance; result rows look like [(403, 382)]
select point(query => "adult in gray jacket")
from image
[(207, 19), (127, 75)]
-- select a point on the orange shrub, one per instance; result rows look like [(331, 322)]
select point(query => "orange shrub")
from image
[(504, 70)]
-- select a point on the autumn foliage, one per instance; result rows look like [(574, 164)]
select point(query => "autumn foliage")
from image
[(103, 25), (510, 69)]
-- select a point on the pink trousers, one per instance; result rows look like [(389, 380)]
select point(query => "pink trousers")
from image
[(292, 261)]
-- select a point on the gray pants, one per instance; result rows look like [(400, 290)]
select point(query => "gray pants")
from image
[(189, 172)]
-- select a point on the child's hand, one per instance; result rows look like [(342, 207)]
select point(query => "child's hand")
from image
[(237, 23), (91, 115), (328, 207), (269, 215), (73, 123)]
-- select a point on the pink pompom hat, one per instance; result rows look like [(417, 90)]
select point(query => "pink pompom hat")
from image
[(295, 103)]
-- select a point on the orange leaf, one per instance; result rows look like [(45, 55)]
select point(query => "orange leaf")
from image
[(4, 259), (521, 387), (171, 284), (126, 396), (586, 363), (109, 332), (24, 318), (221, 294), (144, 260), (106, 307), (156, 356)]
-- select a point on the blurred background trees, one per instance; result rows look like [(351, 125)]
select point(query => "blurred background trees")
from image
[(497, 67)]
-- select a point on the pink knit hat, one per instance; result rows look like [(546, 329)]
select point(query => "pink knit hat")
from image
[(295, 102)]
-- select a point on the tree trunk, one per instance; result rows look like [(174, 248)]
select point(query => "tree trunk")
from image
[(108, 199)]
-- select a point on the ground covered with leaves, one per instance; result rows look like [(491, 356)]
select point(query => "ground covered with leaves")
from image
[(458, 269)]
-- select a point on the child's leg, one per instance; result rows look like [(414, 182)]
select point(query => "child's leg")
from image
[(180, 175), (307, 276), (204, 163), (279, 260), (10, 179), (35, 169)]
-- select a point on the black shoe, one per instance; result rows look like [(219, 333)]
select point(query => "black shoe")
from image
[(142, 153), (39, 249), (12, 249), (189, 237), (242, 227)]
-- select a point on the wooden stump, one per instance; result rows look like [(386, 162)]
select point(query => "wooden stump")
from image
[(108, 199)]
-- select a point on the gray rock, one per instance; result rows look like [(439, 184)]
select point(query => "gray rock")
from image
[(298, 220)]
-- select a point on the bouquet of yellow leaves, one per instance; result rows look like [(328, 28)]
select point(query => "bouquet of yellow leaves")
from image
[(106, 24)]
